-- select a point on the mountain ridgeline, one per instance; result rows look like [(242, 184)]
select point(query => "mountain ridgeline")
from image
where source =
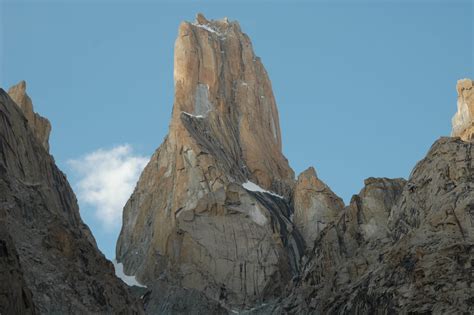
[(218, 223)]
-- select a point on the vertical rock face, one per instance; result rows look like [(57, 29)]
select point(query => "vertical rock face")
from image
[(199, 215), (40, 125), (46, 252), (463, 120), (398, 247), (315, 206), (219, 80), (15, 296), (347, 247)]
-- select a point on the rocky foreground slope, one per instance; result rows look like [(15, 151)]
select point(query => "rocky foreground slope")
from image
[(217, 211), (49, 261), (399, 247)]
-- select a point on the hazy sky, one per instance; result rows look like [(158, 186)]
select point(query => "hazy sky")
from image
[(363, 87)]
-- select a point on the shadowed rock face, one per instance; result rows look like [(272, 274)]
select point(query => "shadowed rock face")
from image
[(15, 296), (418, 259), (164, 298), (47, 254), (189, 217)]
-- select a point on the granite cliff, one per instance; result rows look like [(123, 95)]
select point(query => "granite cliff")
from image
[(49, 261), (463, 120), (400, 247), (218, 212), (211, 211)]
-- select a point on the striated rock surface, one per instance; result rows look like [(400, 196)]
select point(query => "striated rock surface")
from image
[(398, 247), (220, 81), (199, 214), (40, 125), (315, 206), (164, 298), (15, 296), (47, 253), (463, 120)]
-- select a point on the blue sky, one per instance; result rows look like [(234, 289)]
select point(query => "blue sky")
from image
[(363, 87)]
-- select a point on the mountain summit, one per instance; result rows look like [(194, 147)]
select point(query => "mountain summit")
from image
[(211, 209)]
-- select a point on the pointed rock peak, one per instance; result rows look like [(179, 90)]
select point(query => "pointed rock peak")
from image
[(222, 89), (308, 180), (315, 205), (40, 126), (464, 84), (220, 166), (201, 19), (20, 87), (309, 172), (463, 120), (18, 93)]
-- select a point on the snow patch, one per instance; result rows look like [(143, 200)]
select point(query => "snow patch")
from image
[(273, 128), (129, 280), (191, 115), (207, 27), (254, 187)]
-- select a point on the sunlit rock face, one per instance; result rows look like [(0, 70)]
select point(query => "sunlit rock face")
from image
[(190, 219), (463, 120), (217, 76), (49, 260), (315, 206), (41, 126)]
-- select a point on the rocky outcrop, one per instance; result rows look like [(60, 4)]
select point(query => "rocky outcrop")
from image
[(38, 124), (46, 251), (211, 210), (398, 247), (463, 120), (346, 248), (315, 206)]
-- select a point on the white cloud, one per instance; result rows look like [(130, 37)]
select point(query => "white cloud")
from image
[(106, 181)]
